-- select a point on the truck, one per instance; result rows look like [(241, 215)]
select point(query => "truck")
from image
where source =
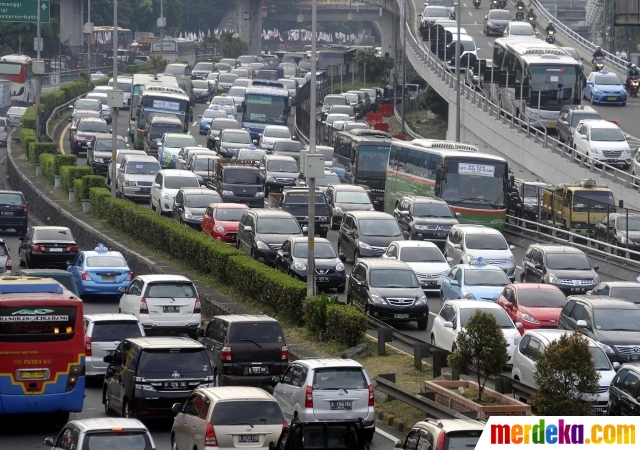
[(238, 181), (321, 436), (5, 96), (295, 200), (577, 207)]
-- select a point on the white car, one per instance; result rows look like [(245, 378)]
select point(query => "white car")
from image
[(165, 187), (167, 303), (535, 342), (635, 165), (102, 98), (95, 76), (425, 258), (468, 244), (519, 29), (14, 114), (603, 141), (272, 134), (237, 94), (331, 118), (455, 314), (135, 176), (170, 145), (224, 101), (120, 154)]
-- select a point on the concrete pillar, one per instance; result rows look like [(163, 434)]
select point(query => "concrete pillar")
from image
[(250, 28), (389, 25), (451, 123), (71, 22)]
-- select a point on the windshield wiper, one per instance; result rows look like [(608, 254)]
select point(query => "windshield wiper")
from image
[(250, 340), (244, 423)]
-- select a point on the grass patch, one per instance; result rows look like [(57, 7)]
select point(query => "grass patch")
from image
[(428, 128), (472, 394)]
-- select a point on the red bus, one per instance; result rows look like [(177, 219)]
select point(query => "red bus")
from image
[(41, 348), (17, 69)]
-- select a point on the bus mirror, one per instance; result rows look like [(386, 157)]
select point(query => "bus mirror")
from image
[(458, 215), (48, 442), (70, 106)]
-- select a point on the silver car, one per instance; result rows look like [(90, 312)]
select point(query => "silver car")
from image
[(135, 176), (14, 114), (103, 432)]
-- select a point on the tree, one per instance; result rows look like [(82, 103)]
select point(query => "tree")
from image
[(155, 64), (232, 47), (566, 377), (480, 349), (432, 101), (377, 66)]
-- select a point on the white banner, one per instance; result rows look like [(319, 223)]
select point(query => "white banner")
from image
[(476, 169)]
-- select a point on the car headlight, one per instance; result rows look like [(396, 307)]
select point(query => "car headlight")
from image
[(99, 160), (167, 196), (596, 90), (622, 239), (468, 295), (552, 279), (511, 260), (364, 245), (299, 266), (227, 193), (377, 300), (145, 387), (516, 340), (626, 151), (219, 228), (259, 194), (596, 280), (339, 267), (188, 215), (528, 318), (421, 301), (271, 179), (471, 258), (489, 24), (338, 210), (199, 177), (261, 245), (129, 183), (595, 150), (420, 227), (606, 348)]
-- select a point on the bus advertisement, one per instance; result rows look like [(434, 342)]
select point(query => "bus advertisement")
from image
[(18, 70), (265, 103), (473, 184), (160, 101), (42, 352)]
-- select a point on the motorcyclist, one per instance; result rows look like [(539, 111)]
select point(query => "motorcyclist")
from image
[(519, 4), (598, 53), (632, 72), (531, 14), (550, 27)]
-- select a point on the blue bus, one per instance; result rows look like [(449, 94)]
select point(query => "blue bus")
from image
[(265, 103)]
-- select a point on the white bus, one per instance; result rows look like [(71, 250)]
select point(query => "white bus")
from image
[(18, 70), (175, 49), (533, 80)]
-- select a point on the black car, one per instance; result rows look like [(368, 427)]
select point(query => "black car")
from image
[(425, 218), (201, 91), (525, 198), (613, 323), (343, 198), (565, 267), (190, 204), (245, 349), (570, 116), (367, 233), (147, 375), (621, 230), (278, 172), (496, 21), (292, 258), (311, 435), (623, 290), (624, 392), (216, 127), (262, 232), (354, 99), (14, 211), (388, 290), (332, 100), (100, 149), (47, 247)]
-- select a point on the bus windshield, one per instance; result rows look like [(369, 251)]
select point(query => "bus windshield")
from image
[(372, 161), (265, 108), (475, 182), (559, 83), (8, 68)]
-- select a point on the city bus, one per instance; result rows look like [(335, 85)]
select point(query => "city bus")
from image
[(161, 101), (533, 80), (265, 103), (175, 49), (139, 80), (474, 184), (18, 70), (42, 350), (360, 157)]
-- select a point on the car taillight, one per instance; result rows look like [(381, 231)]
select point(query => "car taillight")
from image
[(72, 248), (7, 265), (210, 439), (226, 353), (144, 308), (441, 439), (196, 307), (25, 209), (87, 346), (371, 396), (284, 353), (308, 398), (85, 276), (284, 424), (129, 277), (38, 248)]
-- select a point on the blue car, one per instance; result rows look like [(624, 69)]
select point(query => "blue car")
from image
[(605, 87), (100, 272), (208, 115), (474, 282)]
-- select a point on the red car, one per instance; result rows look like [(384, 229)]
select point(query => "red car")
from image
[(221, 221), (533, 305)]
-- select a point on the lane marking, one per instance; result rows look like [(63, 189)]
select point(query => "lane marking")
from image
[(518, 267), (470, 14), (391, 437), (464, 4), (194, 124), (62, 135)]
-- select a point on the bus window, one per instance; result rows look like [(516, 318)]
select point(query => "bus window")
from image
[(498, 56)]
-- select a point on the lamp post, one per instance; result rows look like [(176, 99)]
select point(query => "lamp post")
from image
[(162, 22), (458, 6), (311, 279), (114, 103), (403, 24), (39, 71)]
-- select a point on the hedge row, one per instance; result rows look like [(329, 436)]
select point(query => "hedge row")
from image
[(38, 148), (46, 164), (62, 160), (70, 173), (77, 189), (274, 289), (51, 164), (89, 182), (27, 136)]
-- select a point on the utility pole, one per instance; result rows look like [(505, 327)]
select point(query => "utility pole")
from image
[(89, 30), (39, 72), (311, 181), (458, 72), (162, 22), (403, 24), (114, 103)]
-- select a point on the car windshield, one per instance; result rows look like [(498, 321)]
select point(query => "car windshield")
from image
[(521, 30), (421, 254), (229, 214), (180, 182), (334, 100), (171, 289), (302, 198), (91, 105), (282, 166), (106, 261), (288, 147), (248, 413), (93, 126), (159, 129), (379, 227), (237, 91), (572, 52), (462, 440), (355, 125), (225, 124), (485, 242), (200, 84), (568, 261), (499, 15), (354, 197), (611, 319), (227, 78), (321, 250), (105, 145), (632, 225), (120, 156), (590, 200), (335, 378), (242, 83), (277, 133), (143, 168), (203, 66), (204, 164), (609, 80), (352, 98), (435, 12), (213, 114), (329, 178), (122, 440), (342, 109), (431, 210), (11, 199), (174, 70), (576, 118), (607, 135), (393, 278), (237, 138), (115, 330), (483, 277), (242, 175), (280, 225), (541, 298), (44, 234), (180, 141), (185, 362), (201, 200), (626, 293), (600, 360), (289, 84), (501, 316), (260, 332), (254, 155)]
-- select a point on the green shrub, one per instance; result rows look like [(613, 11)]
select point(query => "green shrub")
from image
[(74, 89), (345, 324), (28, 119), (38, 148), (77, 188), (51, 100), (63, 160), (102, 81), (27, 136), (314, 311), (90, 181), (47, 164), (70, 173)]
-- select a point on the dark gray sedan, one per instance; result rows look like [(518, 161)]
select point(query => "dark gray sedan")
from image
[(496, 21)]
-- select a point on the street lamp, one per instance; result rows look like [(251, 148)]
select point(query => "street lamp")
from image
[(458, 45), (115, 100), (38, 70), (162, 22)]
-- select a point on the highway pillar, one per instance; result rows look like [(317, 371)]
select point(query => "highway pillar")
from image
[(451, 122), (71, 22), (250, 24), (390, 31)]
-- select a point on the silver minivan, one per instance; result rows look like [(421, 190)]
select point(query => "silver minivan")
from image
[(135, 176)]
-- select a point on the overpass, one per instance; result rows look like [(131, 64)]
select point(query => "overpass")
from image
[(338, 13)]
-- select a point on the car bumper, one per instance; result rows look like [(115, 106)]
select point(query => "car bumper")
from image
[(495, 29), (193, 222), (13, 222), (278, 187), (45, 403), (327, 281), (137, 191), (364, 252), (203, 128), (94, 368), (252, 202), (622, 161), (93, 288), (574, 290), (159, 406), (171, 326), (51, 259), (306, 415), (248, 380), (100, 167), (266, 256), (438, 238), (613, 99), (228, 238), (400, 313)]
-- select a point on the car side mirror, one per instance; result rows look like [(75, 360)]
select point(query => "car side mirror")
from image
[(122, 289), (454, 283), (277, 379), (342, 257), (176, 407), (581, 324), (247, 228), (156, 185), (583, 136), (457, 246), (199, 116), (108, 359), (48, 442), (596, 268), (398, 444), (512, 247), (450, 260), (305, 231), (448, 324), (616, 366), (404, 213), (538, 266), (518, 325)]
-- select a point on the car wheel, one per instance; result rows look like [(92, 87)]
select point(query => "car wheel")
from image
[(368, 434), (20, 260), (341, 289), (433, 340), (174, 446), (159, 209), (332, 224), (592, 100), (29, 263), (153, 208), (522, 277), (107, 404), (423, 323), (216, 379), (356, 255), (366, 310)]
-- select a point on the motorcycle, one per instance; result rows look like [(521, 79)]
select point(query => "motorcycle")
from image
[(632, 86), (476, 3), (495, 4), (520, 13), (503, 4), (551, 39), (598, 64), (532, 21)]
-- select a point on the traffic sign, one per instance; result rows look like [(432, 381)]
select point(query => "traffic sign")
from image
[(24, 11), (245, 15)]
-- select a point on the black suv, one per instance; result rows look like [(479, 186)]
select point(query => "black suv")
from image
[(624, 393), (565, 267), (262, 232), (613, 323), (47, 247), (620, 230), (568, 120), (367, 233), (13, 211), (245, 349), (147, 375), (313, 435), (425, 218), (525, 198)]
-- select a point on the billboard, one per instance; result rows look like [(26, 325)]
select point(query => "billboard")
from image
[(626, 12)]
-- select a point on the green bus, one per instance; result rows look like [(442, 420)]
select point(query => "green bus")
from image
[(474, 184)]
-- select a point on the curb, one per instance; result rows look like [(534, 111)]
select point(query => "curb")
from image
[(392, 421)]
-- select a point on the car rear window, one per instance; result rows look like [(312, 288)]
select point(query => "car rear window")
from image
[(106, 261), (256, 332), (115, 330), (122, 440), (462, 440), (10, 199), (167, 361), (164, 290), (52, 235), (339, 378), (247, 412)]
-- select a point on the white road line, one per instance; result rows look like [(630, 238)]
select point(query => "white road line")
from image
[(464, 4), (470, 14), (476, 24), (194, 124), (391, 437), (518, 267)]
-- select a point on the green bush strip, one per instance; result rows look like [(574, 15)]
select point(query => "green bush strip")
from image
[(70, 173), (60, 161), (89, 182), (46, 164), (27, 136), (345, 324), (38, 148), (77, 189)]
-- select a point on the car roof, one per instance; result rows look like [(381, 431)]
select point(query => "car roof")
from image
[(550, 335), (165, 342), (271, 213), (197, 190), (474, 304), (279, 127), (92, 119), (414, 244), (581, 108), (108, 423), (110, 317), (478, 267), (107, 136), (378, 263), (348, 187), (422, 199), (553, 248), (94, 253), (370, 215), (533, 286), (246, 318), (316, 240), (279, 157), (598, 302), (230, 205), (476, 229), (633, 284), (236, 393), (140, 158), (151, 278), (177, 173), (37, 228), (44, 272), (315, 363), (600, 123)]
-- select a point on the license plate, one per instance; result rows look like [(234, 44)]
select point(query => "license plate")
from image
[(55, 249), (108, 278), (597, 411), (551, 125), (432, 282), (7, 213), (174, 385), (340, 405), (401, 316), (170, 309), (258, 370), (249, 438), (322, 279), (613, 99), (32, 374), (143, 190), (324, 225)]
